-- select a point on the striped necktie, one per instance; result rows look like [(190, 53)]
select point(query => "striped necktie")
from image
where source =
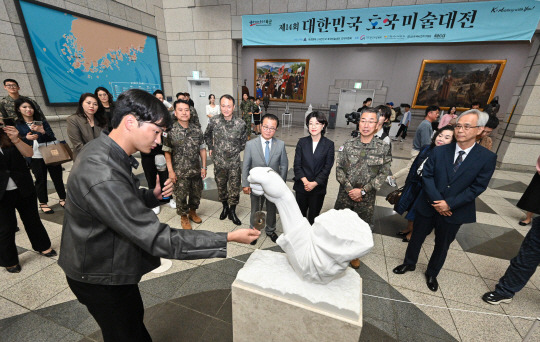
[(458, 161)]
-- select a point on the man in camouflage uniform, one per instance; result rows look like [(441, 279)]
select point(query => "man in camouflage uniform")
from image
[(363, 164), (184, 150), (226, 137), (7, 104), (194, 116), (247, 107)]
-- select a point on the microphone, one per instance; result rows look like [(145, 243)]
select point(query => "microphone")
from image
[(161, 166)]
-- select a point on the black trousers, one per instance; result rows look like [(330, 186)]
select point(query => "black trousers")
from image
[(402, 130), (39, 169), (149, 168), (310, 205), (26, 206), (445, 234), (118, 309)]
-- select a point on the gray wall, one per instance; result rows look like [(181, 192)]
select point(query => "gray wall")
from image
[(398, 66)]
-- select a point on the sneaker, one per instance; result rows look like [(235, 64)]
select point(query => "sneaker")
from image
[(401, 140), (156, 210), (394, 139), (391, 181), (495, 298), (172, 203)]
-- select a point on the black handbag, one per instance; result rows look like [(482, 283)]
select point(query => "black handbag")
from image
[(394, 196)]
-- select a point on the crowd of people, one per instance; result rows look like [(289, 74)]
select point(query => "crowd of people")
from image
[(450, 166)]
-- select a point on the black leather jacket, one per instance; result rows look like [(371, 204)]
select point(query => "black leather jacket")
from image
[(110, 235)]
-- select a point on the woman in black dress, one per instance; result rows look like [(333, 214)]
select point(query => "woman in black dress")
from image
[(530, 201), (106, 100)]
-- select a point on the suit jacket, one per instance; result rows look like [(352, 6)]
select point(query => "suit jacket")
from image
[(12, 164), (458, 189), (254, 157), (315, 166), (80, 132)]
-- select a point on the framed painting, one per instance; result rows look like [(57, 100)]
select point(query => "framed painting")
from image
[(457, 83), (75, 54), (281, 79)]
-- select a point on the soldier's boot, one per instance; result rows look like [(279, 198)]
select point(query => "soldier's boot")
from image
[(232, 215), (225, 211), (194, 217), (355, 263), (185, 222)]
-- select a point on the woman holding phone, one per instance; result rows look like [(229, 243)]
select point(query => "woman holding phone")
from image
[(34, 131)]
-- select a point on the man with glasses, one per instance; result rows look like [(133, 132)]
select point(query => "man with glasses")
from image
[(226, 137), (453, 176), (362, 166), (265, 151), (7, 104)]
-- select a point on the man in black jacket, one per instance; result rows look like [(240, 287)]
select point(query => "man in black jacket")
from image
[(110, 236)]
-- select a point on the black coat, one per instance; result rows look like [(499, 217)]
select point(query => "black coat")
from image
[(314, 166), (12, 164)]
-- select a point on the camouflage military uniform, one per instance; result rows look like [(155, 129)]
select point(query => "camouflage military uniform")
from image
[(226, 139), (7, 106), (247, 107), (185, 144), (194, 118), (363, 166)]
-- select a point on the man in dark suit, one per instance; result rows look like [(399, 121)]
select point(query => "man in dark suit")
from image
[(454, 175)]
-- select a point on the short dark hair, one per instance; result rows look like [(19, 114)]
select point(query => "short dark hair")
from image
[(99, 116), (158, 91), (179, 93), (187, 94), (180, 101), (11, 80), (475, 103), (228, 97), (384, 111), (430, 109), (270, 117), (143, 106), (493, 122), (209, 96), (107, 92), (38, 115), (437, 132), (406, 105), (369, 99), (320, 117)]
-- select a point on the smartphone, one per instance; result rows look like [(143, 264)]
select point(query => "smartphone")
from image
[(38, 123), (9, 121)]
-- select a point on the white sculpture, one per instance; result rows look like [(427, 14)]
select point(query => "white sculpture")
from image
[(317, 253)]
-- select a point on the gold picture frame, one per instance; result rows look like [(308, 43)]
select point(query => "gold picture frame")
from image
[(281, 78), (457, 83)]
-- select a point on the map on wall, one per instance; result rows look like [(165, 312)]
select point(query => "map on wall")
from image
[(76, 54)]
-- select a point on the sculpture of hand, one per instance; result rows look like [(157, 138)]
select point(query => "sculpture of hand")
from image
[(321, 252)]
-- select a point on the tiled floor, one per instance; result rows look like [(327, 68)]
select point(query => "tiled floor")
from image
[(192, 300)]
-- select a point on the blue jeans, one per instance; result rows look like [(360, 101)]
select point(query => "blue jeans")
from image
[(523, 265)]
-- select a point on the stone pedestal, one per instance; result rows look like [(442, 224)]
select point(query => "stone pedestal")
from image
[(271, 303)]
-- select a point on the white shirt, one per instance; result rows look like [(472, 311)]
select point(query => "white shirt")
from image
[(212, 111), (315, 143), (11, 184), (263, 142), (456, 153)]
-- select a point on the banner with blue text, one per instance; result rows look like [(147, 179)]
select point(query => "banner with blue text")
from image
[(435, 23)]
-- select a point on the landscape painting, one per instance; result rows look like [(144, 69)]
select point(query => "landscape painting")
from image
[(281, 79)]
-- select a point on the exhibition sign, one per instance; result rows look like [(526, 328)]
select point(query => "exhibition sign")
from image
[(75, 54), (457, 83), (434, 23)]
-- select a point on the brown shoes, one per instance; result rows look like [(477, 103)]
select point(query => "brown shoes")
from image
[(185, 222), (194, 217), (355, 263)]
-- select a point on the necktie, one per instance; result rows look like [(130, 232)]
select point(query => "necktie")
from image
[(458, 161), (267, 152)]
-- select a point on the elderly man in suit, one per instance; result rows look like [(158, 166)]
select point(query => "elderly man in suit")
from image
[(453, 176), (265, 151)]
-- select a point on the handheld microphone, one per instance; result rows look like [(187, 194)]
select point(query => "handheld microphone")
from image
[(161, 166)]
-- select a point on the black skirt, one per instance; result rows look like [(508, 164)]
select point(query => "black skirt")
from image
[(257, 118), (530, 201)]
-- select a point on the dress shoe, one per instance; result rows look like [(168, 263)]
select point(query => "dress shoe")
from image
[(405, 239), (14, 269), (254, 242), (224, 212), (184, 221), (273, 237), (50, 254), (432, 283), (521, 223), (495, 298), (355, 263), (404, 269), (194, 217), (232, 215), (402, 233)]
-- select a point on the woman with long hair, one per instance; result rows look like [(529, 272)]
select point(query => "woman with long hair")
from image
[(413, 183), (17, 192), (313, 160), (106, 100), (449, 118), (34, 131), (87, 122), (212, 108)]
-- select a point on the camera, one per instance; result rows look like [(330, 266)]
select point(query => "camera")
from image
[(353, 117)]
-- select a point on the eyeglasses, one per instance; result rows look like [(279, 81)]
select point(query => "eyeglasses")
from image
[(364, 122), (11, 86), (269, 129), (465, 127), (317, 124)]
